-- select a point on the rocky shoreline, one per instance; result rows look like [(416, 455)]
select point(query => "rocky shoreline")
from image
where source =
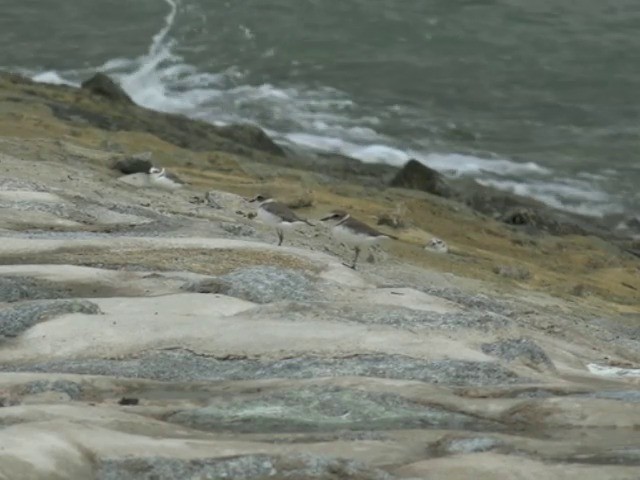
[(147, 333)]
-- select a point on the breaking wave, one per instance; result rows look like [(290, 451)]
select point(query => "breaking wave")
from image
[(320, 119)]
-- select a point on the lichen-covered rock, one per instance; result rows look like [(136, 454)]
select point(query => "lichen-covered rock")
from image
[(519, 349), (262, 284), (180, 365), (238, 467), (406, 318), (324, 409), (14, 288), (72, 389), (16, 319)]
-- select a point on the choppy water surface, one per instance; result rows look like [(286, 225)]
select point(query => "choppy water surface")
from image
[(539, 98)]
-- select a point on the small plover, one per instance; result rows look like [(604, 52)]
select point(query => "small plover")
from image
[(159, 177), (354, 233), (277, 215)]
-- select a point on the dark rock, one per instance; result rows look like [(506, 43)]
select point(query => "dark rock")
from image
[(180, 365), (414, 175), (101, 84), (342, 166), (250, 135), (17, 288), (133, 164), (128, 401), (16, 319), (526, 213), (519, 349), (541, 219)]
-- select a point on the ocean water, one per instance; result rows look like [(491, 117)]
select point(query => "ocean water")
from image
[(538, 98)]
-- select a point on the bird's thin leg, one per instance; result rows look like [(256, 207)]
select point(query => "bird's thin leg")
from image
[(355, 259), (280, 236)]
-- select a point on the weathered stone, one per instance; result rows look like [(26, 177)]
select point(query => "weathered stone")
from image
[(417, 176), (152, 468), (240, 467), (325, 409), (267, 284), (402, 317), (238, 229), (225, 200), (231, 366), (180, 365), (101, 84), (17, 288), (72, 389), (257, 284), (519, 349), (16, 319)]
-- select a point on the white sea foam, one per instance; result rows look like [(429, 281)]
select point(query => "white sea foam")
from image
[(52, 77), (608, 371), (564, 194), (452, 163), (323, 119)]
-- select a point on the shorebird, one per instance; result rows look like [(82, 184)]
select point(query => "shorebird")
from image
[(159, 177), (278, 215), (353, 233)]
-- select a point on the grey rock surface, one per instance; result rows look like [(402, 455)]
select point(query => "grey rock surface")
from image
[(401, 317), (261, 284), (246, 467), (14, 288), (326, 409), (522, 349), (20, 317), (177, 365), (240, 359)]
